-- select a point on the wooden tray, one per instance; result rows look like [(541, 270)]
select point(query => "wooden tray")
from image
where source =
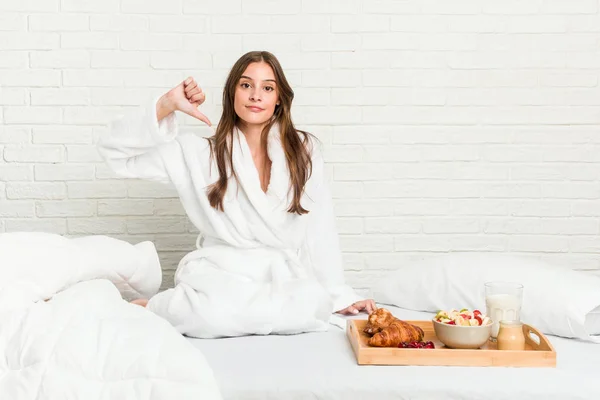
[(536, 354)]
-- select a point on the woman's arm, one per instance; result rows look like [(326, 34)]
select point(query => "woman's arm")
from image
[(131, 147), (133, 144)]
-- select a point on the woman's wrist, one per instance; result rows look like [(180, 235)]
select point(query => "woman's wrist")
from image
[(164, 107)]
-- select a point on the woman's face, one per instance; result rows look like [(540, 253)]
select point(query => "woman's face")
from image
[(256, 94)]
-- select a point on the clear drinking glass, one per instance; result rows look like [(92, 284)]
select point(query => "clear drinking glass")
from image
[(503, 303)]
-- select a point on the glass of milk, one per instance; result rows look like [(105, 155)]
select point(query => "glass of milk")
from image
[(503, 302)]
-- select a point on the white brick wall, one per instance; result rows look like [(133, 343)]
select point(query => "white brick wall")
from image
[(468, 125)]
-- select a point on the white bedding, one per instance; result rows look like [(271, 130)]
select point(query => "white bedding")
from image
[(322, 366), (86, 342)]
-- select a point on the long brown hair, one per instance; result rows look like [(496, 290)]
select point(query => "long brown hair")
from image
[(294, 141)]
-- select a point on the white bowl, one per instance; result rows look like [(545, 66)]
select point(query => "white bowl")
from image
[(462, 337)]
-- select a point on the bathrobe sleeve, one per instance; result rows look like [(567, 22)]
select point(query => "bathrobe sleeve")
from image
[(323, 245), (135, 144)]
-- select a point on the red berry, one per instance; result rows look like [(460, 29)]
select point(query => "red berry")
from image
[(476, 312), (451, 323)]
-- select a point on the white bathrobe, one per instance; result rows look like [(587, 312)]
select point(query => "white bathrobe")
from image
[(258, 269)]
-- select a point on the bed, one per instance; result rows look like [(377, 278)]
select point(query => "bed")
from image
[(322, 366), (67, 333)]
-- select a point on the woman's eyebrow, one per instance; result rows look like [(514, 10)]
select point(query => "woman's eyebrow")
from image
[(266, 80)]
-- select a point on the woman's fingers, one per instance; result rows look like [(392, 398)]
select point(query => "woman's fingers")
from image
[(368, 306), (194, 95), (198, 98), (371, 306), (350, 310), (364, 305), (191, 86), (140, 302), (198, 115), (192, 92)]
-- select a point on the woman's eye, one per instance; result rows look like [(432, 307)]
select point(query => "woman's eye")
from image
[(269, 88), (245, 85)]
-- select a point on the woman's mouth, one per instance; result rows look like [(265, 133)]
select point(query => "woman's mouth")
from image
[(254, 109)]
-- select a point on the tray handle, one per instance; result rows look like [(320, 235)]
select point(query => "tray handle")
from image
[(536, 339)]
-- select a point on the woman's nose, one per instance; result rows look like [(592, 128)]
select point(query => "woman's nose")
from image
[(255, 95)]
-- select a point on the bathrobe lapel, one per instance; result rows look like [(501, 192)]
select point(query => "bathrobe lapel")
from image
[(272, 205)]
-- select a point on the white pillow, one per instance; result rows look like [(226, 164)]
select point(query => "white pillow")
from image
[(37, 265), (556, 300)]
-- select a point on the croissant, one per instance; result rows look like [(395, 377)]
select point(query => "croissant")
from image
[(397, 332), (378, 320)]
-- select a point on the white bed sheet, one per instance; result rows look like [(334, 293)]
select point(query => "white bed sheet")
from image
[(322, 366)]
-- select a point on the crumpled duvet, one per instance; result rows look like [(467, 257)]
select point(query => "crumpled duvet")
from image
[(86, 342)]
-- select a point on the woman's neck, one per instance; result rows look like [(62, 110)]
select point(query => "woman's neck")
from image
[(253, 135)]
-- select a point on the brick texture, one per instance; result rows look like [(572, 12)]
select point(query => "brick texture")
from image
[(448, 126)]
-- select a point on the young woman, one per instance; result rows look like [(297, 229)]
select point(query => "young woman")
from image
[(269, 259)]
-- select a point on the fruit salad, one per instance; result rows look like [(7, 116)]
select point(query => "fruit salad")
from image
[(463, 317)]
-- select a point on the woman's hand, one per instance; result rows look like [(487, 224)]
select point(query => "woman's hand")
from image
[(354, 308), (140, 302), (185, 97)]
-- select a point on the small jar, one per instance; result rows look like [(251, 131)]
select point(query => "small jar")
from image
[(511, 336)]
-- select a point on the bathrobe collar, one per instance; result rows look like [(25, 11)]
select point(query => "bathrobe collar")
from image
[(278, 196)]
